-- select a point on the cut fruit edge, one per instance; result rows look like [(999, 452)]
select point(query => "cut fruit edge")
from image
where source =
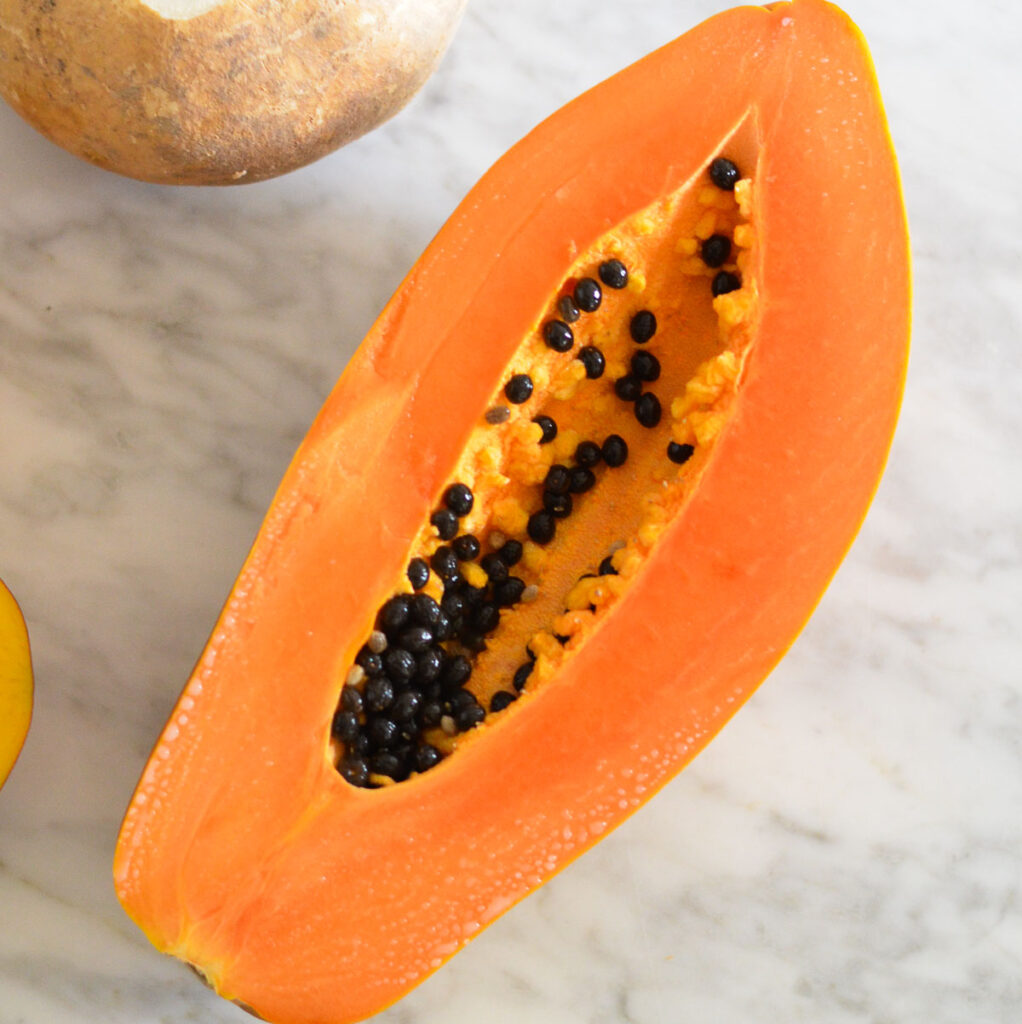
[(16, 684)]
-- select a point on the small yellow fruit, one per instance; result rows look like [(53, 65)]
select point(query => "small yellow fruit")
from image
[(15, 682)]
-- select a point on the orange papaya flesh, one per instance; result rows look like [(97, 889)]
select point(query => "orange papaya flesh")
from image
[(245, 852), (16, 683)]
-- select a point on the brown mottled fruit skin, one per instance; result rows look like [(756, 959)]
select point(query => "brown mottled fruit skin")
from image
[(244, 92)]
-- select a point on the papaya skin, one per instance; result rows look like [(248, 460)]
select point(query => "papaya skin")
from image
[(16, 685), (243, 852)]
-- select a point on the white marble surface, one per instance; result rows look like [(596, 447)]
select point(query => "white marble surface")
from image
[(849, 849)]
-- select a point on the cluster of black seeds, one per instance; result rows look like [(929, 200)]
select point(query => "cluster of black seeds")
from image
[(645, 369), (411, 675), (717, 248), (565, 482), (585, 297)]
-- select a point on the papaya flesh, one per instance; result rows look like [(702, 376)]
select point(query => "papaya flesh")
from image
[(313, 851), (16, 684)]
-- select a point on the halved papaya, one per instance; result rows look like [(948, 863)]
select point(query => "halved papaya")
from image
[(573, 498)]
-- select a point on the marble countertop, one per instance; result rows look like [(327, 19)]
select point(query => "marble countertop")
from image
[(848, 849)]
